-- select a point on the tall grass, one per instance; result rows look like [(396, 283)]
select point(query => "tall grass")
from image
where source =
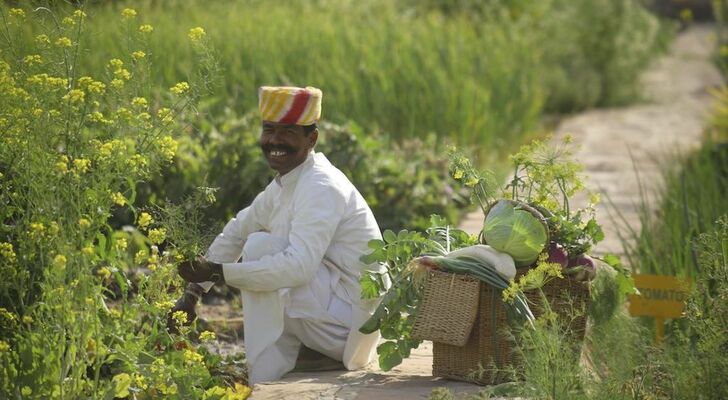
[(693, 197), (479, 78)]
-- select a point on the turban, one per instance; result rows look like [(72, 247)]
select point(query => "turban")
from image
[(290, 105)]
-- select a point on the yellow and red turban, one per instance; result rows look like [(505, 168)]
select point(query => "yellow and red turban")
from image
[(290, 105)]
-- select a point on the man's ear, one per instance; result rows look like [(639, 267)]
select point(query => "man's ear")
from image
[(313, 137)]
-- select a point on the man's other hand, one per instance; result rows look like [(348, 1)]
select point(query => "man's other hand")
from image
[(200, 270), (186, 304)]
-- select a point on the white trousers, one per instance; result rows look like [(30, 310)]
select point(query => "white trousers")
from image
[(312, 314)]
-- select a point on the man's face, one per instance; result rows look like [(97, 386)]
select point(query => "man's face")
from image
[(285, 146)]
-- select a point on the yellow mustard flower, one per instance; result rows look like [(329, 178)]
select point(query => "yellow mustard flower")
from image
[(69, 21), (117, 83), (196, 34), (140, 381), (146, 28), (124, 113), (118, 199), (144, 220), (157, 235), (139, 257), (75, 96), (62, 164), (81, 165), (32, 59), (115, 64), (168, 147), (36, 229), (140, 102), (207, 336), (192, 357), (165, 305), (165, 115), (122, 244), (180, 88), (17, 13), (128, 13), (96, 116), (79, 14), (138, 55), (122, 73), (179, 317), (42, 39), (7, 252), (60, 261), (104, 273), (84, 223), (64, 42), (88, 250), (96, 87)]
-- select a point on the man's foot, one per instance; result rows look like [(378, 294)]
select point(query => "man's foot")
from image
[(312, 361)]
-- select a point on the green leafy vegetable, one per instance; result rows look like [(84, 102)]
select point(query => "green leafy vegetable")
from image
[(515, 231)]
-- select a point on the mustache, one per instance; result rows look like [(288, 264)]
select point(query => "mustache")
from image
[(280, 147)]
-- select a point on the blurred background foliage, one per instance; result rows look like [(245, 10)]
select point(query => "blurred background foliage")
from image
[(397, 76)]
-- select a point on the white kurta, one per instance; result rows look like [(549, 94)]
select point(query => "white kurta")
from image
[(326, 225)]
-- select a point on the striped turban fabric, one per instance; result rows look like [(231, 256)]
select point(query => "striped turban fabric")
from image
[(290, 105)]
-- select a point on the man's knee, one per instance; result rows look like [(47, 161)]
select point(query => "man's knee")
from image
[(261, 244)]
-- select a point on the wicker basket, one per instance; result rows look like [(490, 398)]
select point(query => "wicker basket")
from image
[(488, 351), (448, 309)]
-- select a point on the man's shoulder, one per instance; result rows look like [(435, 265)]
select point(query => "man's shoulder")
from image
[(322, 170)]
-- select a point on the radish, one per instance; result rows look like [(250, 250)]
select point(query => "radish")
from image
[(588, 268), (558, 255)]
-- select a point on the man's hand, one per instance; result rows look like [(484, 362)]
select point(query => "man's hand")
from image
[(200, 270), (186, 304)]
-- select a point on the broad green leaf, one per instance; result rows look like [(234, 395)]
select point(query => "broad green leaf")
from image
[(389, 356), (121, 384), (389, 236), (375, 244), (370, 326)]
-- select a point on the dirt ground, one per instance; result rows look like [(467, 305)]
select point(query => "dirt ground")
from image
[(614, 144)]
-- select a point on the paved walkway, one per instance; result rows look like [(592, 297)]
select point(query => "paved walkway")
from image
[(614, 143)]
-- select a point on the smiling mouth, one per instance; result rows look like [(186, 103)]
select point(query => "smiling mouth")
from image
[(277, 153)]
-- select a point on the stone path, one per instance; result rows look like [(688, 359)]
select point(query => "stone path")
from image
[(614, 143)]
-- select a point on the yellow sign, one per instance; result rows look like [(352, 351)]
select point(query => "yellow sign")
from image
[(660, 297)]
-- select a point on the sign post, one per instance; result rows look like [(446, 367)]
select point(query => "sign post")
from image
[(660, 297)]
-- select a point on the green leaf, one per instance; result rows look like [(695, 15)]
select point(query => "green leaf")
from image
[(389, 356), (121, 384), (375, 244), (369, 287), (370, 326), (389, 236)]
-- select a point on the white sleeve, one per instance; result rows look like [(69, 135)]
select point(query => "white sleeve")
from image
[(317, 211), (228, 245)]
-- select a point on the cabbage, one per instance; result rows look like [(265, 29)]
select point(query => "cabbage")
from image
[(511, 229)]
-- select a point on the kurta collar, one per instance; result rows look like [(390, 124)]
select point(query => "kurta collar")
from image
[(292, 176)]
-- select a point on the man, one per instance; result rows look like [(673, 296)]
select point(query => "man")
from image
[(294, 252)]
